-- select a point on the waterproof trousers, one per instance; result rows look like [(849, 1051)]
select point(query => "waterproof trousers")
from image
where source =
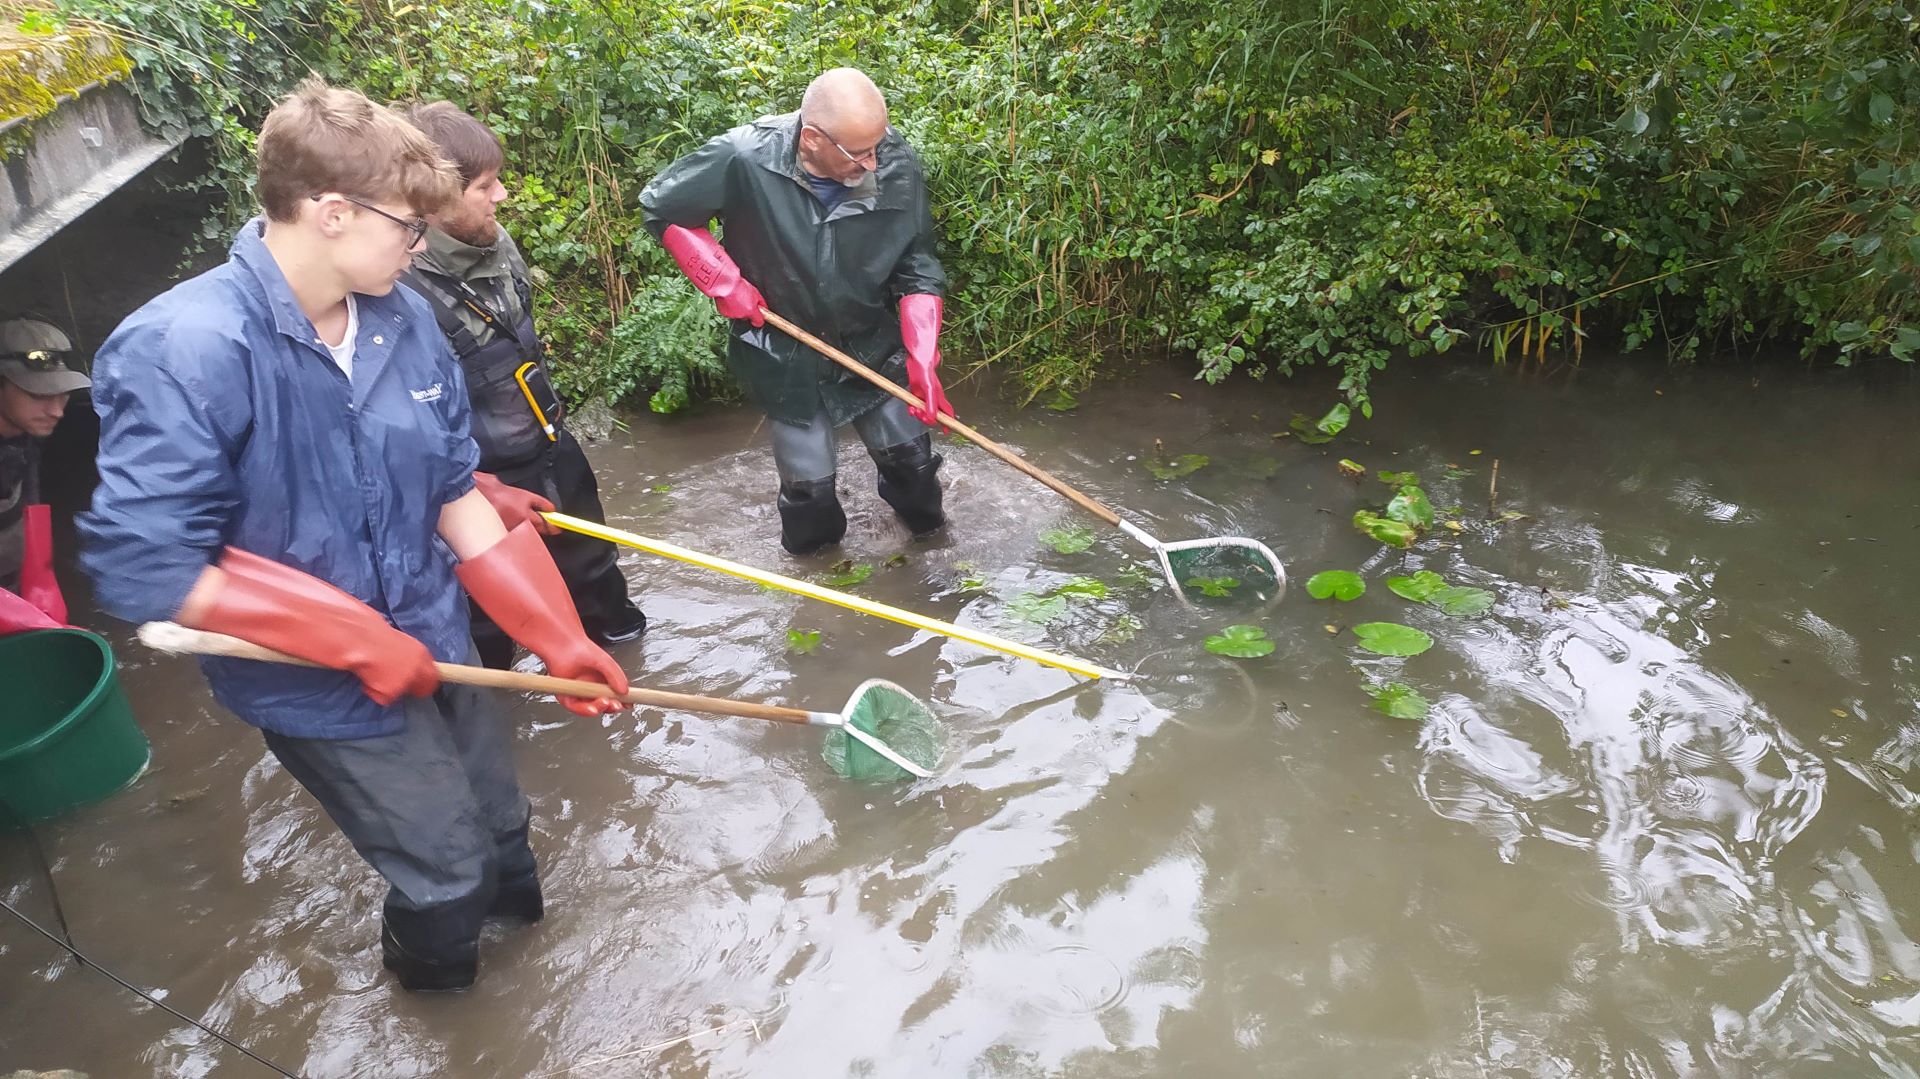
[(589, 566), (437, 811), (806, 458)]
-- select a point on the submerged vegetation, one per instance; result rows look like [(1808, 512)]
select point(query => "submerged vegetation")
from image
[(1260, 187)]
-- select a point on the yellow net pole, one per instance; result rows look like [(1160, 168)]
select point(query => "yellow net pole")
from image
[(828, 595)]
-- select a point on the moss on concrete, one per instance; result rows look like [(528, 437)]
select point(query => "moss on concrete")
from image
[(43, 63)]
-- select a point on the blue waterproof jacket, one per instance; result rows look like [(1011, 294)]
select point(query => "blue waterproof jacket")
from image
[(225, 422)]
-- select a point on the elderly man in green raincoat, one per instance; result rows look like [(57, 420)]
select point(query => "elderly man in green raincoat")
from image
[(826, 222)]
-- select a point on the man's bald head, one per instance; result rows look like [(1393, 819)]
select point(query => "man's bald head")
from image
[(844, 97), (843, 118)]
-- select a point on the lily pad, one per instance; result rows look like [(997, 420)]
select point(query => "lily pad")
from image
[(1462, 601), (1070, 540), (1420, 587), (1184, 465), (1336, 584), (1399, 701), (1410, 507), (847, 573), (1243, 642), (1392, 638), (1214, 586), (1391, 533), (1036, 608), (1091, 587), (803, 641)]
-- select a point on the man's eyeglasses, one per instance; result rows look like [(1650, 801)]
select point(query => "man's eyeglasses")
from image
[(870, 159), (416, 228)]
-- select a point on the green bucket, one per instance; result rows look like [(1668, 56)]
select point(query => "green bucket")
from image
[(67, 736)]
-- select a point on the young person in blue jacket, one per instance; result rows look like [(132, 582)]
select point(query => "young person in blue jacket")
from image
[(285, 457)]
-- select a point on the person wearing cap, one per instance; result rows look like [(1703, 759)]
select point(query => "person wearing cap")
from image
[(285, 458), (35, 383)]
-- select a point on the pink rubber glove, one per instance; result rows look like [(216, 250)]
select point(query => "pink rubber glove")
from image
[(713, 272), (514, 505), (920, 332)]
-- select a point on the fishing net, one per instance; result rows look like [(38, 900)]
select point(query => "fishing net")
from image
[(1224, 571), (893, 716)]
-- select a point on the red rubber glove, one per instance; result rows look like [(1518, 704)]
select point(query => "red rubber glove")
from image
[(297, 613), (517, 584), (514, 505), (37, 583), (713, 272), (19, 616), (920, 332)]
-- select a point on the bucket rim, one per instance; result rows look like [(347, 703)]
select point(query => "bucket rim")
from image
[(87, 704)]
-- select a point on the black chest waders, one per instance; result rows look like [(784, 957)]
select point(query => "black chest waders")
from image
[(516, 413)]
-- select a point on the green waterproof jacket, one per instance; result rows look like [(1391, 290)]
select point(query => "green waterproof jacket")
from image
[(839, 274)]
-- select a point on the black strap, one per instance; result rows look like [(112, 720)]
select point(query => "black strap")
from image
[(451, 295)]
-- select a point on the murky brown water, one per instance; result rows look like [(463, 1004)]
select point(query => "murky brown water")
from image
[(1660, 822)]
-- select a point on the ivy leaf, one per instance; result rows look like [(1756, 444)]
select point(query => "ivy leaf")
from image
[(1462, 601), (1241, 642), (1184, 465), (1036, 608), (1071, 540), (1399, 701), (1410, 507), (1392, 638), (1336, 584), (1391, 533), (1880, 108)]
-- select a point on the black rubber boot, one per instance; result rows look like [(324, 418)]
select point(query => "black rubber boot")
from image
[(626, 625), (910, 483), (519, 897), (810, 516), (435, 950)]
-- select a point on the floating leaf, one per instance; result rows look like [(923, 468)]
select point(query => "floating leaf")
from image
[(1305, 430), (847, 573), (1070, 540), (1184, 465), (1134, 576), (1455, 472), (1462, 601), (1036, 608), (1399, 701), (1214, 586), (1124, 629), (1336, 584), (895, 561), (803, 641), (1391, 533), (1243, 642), (1392, 638), (1353, 469), (1335, 421), (662, 488), (972, 583), (1420, 587), (1083, 586), (1410, 507), (1398, 479), (1063, 402), (1260, 468)]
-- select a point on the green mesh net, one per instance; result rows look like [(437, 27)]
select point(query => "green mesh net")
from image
[(1225, 571), (895, 717)]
